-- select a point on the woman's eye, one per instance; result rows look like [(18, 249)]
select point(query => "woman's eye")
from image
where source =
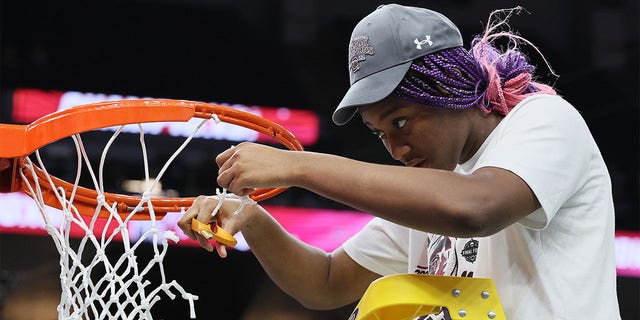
[(399, 123)]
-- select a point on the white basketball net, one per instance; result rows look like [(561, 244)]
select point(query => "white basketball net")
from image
[(95, 286)]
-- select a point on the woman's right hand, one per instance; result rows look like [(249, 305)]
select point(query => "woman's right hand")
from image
[(202, 209), (248, 166)]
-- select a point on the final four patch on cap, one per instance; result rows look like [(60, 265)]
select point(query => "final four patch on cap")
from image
[(359, 49)]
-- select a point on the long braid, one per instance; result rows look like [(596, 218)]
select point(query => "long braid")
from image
[(444, 79), (484, 76)]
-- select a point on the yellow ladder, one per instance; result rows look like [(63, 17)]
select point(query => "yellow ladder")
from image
[(407, 296)]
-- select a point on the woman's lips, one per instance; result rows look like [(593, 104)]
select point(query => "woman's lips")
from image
[(418, 163)]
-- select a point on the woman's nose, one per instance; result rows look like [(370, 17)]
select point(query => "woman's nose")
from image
[(397, 149)]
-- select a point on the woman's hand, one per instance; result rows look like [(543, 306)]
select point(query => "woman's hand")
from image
[(202, 209), (248, 166)]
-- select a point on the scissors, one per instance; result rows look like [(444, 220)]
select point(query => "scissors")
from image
[(212, 230)]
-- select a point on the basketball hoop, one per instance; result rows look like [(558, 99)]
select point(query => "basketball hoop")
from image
[(121, 291)]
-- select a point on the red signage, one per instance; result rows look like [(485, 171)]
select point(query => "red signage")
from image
[(326, 229)]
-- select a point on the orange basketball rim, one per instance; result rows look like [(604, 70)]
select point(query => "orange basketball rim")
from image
[(19, 141)]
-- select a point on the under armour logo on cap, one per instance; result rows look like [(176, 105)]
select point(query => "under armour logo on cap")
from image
[(419, 44)]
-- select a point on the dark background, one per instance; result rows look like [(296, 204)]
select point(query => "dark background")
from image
[(292, 53)]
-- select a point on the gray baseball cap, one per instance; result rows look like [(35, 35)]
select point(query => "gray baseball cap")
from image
[(381, 50)]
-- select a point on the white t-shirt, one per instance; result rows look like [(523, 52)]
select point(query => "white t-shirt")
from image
[(556, 263)]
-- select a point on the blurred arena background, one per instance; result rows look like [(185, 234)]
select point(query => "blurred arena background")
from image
[(283, 54)]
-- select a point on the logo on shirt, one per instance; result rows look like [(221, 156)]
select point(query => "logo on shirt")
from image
[(441, 252), (470, 251)]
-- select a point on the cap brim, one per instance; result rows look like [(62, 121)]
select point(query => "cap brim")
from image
[(369, 89)]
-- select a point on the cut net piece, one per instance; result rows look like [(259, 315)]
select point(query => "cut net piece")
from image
[(222, 195), (96, 285)]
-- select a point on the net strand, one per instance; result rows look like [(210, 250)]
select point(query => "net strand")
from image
[(96, 283), (101, 288)]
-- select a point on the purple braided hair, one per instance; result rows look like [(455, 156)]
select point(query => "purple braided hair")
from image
[(458, 79)]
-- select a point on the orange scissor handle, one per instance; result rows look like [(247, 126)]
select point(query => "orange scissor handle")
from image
[(213, 231)]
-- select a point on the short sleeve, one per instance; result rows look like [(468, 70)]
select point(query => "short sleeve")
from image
[(546, 143), (381, 247)]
